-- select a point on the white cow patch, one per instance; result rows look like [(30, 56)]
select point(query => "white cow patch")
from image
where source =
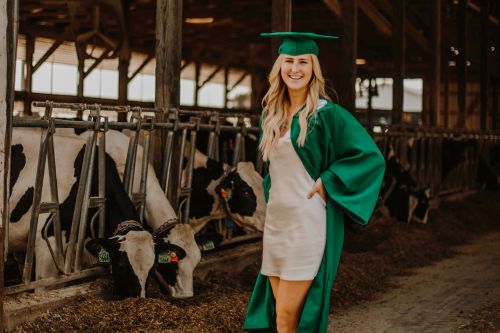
[(139, 247)]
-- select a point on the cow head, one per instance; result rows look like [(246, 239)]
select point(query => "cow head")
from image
[(131, 256), (242, 192), (178, 279)]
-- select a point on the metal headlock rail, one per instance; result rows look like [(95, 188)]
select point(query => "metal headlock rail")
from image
[(68, 261), (423, 158)]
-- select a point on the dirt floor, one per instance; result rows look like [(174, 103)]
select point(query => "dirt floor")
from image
[(369, 264), (435, 298)]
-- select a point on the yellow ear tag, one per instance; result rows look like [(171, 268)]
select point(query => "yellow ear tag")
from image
[(103, 256)]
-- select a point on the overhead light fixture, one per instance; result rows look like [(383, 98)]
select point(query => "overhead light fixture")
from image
[(360, 61), (468, 63), (452, 63), (492, 48), (199, 20)]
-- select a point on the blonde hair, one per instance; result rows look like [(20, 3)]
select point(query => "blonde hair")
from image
[(274, 117)]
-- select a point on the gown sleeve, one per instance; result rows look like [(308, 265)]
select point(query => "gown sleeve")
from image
[(266, 182), (355, 165)]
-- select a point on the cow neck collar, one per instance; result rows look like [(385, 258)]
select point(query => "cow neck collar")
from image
[(126, 226), (165, 227)]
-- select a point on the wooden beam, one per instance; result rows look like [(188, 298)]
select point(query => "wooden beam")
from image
[(281, 20), (197, 71), (334, 6), (187, 63), (28, 80), (484, 63), (398, 45), (211, 76), (349, 40), (167, 84), (382, 24), (141, 67), (462, 64), (434, 110), (240, 79), (477, 8), (47, 54), (226, 84), (123, 81), (385, 26), (95, 64)]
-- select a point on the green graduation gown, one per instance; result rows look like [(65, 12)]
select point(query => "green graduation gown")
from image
[(340, 151)]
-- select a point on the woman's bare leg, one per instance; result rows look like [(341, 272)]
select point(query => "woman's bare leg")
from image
[(289, 303), (275, 283)]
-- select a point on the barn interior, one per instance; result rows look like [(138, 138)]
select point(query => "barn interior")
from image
[(450, 46), (409, 70)]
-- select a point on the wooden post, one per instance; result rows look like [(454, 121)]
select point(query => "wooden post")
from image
[(434, 110), (349, 41), (28, 80), (168, 72), (398, 44), (197, 71), (226, 85), (123, 65), (484, 73), (369, 120), (8, 48), (281, 20), (446, 80), (462, 64)]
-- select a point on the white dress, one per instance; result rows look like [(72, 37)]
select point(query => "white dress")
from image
[(295, 227)]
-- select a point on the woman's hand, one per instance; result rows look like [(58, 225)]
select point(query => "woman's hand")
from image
[(318, 188)]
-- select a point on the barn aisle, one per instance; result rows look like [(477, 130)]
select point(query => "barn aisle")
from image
[(436, 298)]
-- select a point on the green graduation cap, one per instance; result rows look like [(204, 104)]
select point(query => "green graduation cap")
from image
[(297, 43)]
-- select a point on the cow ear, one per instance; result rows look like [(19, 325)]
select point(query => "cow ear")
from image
[(95, 246), (162, 246)]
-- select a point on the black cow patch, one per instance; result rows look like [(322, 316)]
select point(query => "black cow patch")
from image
[(242, 199), (23, 205), (17, 163), (202, 201)]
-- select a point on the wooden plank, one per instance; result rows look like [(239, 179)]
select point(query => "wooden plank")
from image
[(226, 84), (349, 40), (484, 64), (167, 82), (398, 45), (462, 64), (240, 79), (436, 65)]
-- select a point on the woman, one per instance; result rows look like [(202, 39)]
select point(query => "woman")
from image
[(324, 168)]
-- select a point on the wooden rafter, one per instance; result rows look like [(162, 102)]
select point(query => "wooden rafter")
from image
[(211, 76), (141, 67), (47, 54), (96, 63), (241, 78), (334, 6)]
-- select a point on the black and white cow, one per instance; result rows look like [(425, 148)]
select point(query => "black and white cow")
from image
[(219, 192), (131, 250), (400, 193)]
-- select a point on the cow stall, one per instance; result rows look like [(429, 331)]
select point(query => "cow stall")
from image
[(67, 256)]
